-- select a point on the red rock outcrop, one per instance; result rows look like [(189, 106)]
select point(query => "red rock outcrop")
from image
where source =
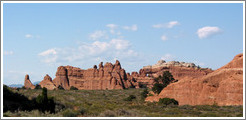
[(107, 76), (222, 87), (179, 70), (47, 83), (27, 83)]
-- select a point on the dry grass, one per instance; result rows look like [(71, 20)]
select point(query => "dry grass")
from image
[(111, 103)]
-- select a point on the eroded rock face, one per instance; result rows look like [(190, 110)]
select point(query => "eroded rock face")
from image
[(222, 87), (179, 70), (47, 83), (27, 83), (107, 76)]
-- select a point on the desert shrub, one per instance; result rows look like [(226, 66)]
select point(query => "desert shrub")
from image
[(130, 98), (162, 81), (144, 94), (157, 88), (168, 101), (44, 103), (14, 101), (73, 88), (126, 113), (60, 87), (23, 87), (70, 113), (38, 87), (142, 85), (108, 113)]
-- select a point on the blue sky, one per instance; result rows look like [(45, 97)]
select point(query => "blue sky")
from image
[(37, 38)]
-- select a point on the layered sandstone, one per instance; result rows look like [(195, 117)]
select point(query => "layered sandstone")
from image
[(222, 87), (27, 83), (108, 76), (179, 70), (47, 83)]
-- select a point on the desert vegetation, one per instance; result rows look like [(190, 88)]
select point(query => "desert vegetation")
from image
[(112, 103), (162, 81)]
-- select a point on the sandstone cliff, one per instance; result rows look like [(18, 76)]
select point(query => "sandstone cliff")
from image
[(27, 83), (222, 87), (108, 76), (179, 70)]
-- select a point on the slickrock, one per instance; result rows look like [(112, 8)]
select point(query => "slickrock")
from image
[(47, 83), (224, 86), (27, 83)]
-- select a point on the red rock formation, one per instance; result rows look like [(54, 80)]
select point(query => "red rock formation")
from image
[(223, 87), (108, 76), (27, 83), (47, 83)]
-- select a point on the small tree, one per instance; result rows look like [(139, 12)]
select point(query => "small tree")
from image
[(168, 101), (162, 81), (45, 103), (73, 88), (157, 88)]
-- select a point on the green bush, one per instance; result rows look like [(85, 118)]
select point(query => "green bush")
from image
[(60, 87), (38, 87), (108, 113), (73, 88), (144, 94), (162, 81), (168, 101), (70, 113), (45, 103), (142, 85), (157, 88), (130, 98), (14, 101)]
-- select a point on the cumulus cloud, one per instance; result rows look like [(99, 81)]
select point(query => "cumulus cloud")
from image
[(97, 35), (164, 37), (168, 57), (131, 28), (170, 24), (97, 50), (8, 52), (208, 31)]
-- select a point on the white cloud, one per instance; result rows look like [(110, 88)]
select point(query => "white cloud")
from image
[(97, 50), (28, 36), (97, 35), (208, 31), (8, 52), (48, 52), (170, 24), (132, 28), (168, 57), (164, 38), (112, 28), (120, 44)]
